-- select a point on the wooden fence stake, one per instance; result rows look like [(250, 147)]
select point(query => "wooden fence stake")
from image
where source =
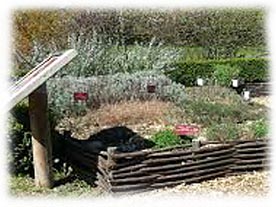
[(41, 140), (110, 161)]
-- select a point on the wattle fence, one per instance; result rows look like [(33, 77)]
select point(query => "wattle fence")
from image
[(117, 171), (259, 89)]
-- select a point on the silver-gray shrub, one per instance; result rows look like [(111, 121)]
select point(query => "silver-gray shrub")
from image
[(97, 56), (110, 89), (100, 56)]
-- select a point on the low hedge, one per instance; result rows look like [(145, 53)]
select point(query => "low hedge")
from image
[(251, 69), (109, 89)]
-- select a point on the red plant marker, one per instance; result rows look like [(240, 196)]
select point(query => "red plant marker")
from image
[(80, 96), (187, 130)]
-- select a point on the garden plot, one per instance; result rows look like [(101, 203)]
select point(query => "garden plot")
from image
[(120, 171)]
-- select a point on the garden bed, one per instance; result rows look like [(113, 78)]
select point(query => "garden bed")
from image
[(118, 171)]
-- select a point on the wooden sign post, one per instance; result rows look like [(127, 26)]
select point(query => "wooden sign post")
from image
[(41, 139), (33, 84)]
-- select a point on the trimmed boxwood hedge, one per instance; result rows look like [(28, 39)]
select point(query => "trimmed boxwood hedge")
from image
[(251, 69)]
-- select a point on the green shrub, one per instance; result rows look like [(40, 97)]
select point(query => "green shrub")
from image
[(223, 132), (100, 57), (250, 69), (19, 139), (260, 128), (167, 138), (20, 156), (215, 104), (223, 74), (206, 113), (213, 94)]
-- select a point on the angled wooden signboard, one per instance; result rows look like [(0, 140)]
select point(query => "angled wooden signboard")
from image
[(33, 85), (37, 76)]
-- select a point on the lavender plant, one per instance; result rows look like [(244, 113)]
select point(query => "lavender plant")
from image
[(110, 89)]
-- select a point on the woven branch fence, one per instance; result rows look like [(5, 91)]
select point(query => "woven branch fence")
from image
[(117, 171), (259, 89)]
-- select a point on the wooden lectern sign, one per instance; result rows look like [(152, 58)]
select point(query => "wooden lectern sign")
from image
[(38, 75), (33, 85)]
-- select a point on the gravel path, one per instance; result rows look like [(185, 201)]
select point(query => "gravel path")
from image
[(263, 100), (249, 184)]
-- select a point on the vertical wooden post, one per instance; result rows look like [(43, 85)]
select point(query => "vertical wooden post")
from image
[(41, 140), (110, 161)]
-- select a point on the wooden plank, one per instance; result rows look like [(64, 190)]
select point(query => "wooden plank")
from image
[(250, 167), (125, 164), (249, 156), (192, 174), (104, 173), (129, 174), (37, 77), (184, 158), (170, 149), (251, 161), (188, 180), (187, 151), (165, 170), (103, 183), (252, 144), (102, 186), (195, 168), (170, 153), (118, 155), (252, 150), (129, 154), (142, 169), (128, 168), (176, 174), (32, 73), (139, 179), (103, 163)]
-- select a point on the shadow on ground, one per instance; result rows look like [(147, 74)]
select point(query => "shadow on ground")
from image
[(82, 155)]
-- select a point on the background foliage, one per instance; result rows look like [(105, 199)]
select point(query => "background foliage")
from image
[(250, 69), (218, 33)]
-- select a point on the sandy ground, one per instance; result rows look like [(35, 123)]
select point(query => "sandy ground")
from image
[(252, 184)]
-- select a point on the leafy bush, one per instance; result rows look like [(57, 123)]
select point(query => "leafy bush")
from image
[(206, 113), (20, 156), (167, 138), (231, 27), (100, 56), (111, 89), (213, 94), (250, 69), (260, 128), (223, 132), (19, 139), (223, 74), (214, 104)]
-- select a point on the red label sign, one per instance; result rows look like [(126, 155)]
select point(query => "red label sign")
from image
[(186, 130), (80, 96)]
